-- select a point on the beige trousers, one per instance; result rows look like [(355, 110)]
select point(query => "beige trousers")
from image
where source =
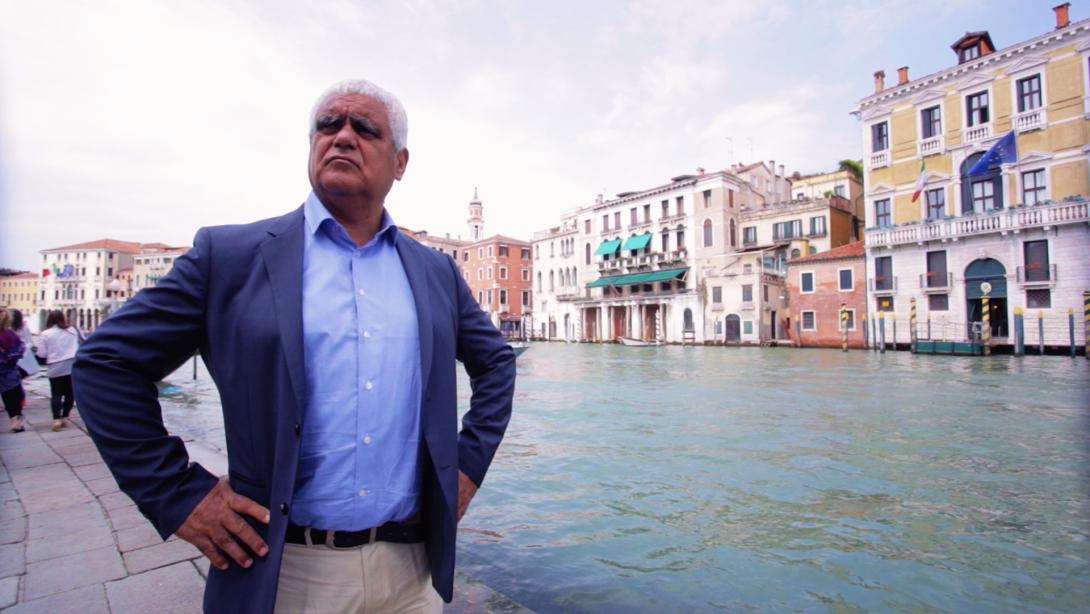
[(378, 577)]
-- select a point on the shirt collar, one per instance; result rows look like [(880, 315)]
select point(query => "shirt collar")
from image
[(315, 215)]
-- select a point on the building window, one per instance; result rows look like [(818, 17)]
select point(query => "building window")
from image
[(749, 235), (806, 282), (764, 293), (503, 298), (747, 293), (666, 241), (552, 249), (707, 198), (465, 256), (733, 234), (1040, 298), (480, 274), (1036, 259), (936, 204), (747, 327), (883, 216), (883, 273), (503, 251), (480, 297), (503, 272), (850, 322), (931, 120), (605, 222), (838, 190), (845, 280), (983, 195), (480, 253), (617, 220), (936, 269), (632, 219), (488, 273), (540, 285), (647, 213), (665, 209), (808, 321), (879, 136), (787, 230), (1029, 93), (465, 274), (707, 233), (552, 281), (680, 238), (795, 253), (817, 226), (488, 296), (938, 302), (747, 268), (717, 294), (1033, 187), (681, 205), (976, 109), (970, 53), (885, 303), (526, 297), (525, 274)]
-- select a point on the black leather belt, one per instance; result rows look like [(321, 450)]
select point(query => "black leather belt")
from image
[(396, 532)]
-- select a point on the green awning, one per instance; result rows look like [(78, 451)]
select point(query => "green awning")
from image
[(637, 278), (608, 247), (637, 242)]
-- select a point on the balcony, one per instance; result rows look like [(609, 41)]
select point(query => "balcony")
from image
[(933, 146), (1036, 276), (883, 285), (1051, 213), (717, 307), (936, 283), (1034, 119), (749, 242), (879, 159), (670, 219), (820, 232), (746, 306), (974, 134)]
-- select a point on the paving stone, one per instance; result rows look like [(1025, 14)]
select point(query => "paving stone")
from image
[(126, 517), (9, 591), (115, 500), (56, 545), (12, 560), (140, 536), (30, 456), (85, 600), (10, 510), (73, 571), (102, 486), (64, 495), (174, 589), (160, 555), (13, 529), (93, 472), (8, 492)]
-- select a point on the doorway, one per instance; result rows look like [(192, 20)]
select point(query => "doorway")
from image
[(994, 273)]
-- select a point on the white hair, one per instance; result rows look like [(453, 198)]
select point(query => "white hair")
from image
[(395, 112)]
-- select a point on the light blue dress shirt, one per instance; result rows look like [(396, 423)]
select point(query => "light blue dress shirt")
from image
[(360, 433)]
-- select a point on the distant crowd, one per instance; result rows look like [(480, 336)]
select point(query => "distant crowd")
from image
[(22, 358)]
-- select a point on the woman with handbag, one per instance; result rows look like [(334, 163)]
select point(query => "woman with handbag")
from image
[(57, 345), (11, 381)]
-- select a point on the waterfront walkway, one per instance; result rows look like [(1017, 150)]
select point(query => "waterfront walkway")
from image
[(70, 541)]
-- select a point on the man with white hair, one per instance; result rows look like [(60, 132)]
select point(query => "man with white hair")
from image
[(332, 338)]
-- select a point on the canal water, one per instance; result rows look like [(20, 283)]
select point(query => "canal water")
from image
[(681, 478)]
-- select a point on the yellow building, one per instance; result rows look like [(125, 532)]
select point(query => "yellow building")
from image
[(20, 292), (1021, 226)]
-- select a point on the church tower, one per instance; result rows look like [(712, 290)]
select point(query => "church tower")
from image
[(476, 218)]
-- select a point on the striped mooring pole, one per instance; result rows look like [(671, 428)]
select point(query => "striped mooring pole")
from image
[(986, 323), (1019, 333), (843, 327), (912, 325), (1086, 323)]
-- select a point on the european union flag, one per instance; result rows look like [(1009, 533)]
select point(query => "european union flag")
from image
[(1004, 150)]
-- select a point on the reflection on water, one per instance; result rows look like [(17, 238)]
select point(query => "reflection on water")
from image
[(642, 479)]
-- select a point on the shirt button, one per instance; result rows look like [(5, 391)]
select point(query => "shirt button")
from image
[(368, 385), (363, 492), (361, 292), (367, 439), (366, 334)]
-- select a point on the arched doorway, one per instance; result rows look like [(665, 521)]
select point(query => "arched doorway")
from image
[(991, 271), (980, 193), (734, 328)]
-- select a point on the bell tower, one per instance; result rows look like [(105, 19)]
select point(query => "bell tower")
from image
[(476, 218)]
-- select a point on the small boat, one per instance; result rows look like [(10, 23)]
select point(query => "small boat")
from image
[(519, 347), (638, 342)]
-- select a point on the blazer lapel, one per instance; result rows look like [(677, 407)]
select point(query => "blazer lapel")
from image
[(283, 256), (418, 281)]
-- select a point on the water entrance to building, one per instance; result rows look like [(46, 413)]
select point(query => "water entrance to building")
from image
[(734, 328), (995, 274)]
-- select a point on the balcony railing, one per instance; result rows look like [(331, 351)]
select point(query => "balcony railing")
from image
[(1037, 216), (747, 306), (931, 147), (1034, 119), (976, 133), (932, 282), (749, 242), (820, 232), (717, 307), (879, 159), (1041, 276), (670, 219), (880, 285)]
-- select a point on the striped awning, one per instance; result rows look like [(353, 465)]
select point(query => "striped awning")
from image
[(637, 278)]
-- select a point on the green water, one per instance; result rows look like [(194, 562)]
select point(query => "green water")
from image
[(696, 479)]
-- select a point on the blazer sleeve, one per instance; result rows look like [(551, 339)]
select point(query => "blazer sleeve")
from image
[(114, 384), (490, 363)]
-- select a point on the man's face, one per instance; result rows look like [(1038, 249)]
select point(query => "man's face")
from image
[(352, 150)]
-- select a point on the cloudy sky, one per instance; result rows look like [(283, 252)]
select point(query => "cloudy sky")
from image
[(143, 121)]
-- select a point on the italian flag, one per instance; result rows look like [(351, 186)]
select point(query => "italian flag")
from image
[(920, 182)]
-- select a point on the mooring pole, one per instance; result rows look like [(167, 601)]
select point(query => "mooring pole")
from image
[(1019, 333)]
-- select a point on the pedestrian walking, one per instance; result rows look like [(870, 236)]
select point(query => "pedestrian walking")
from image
[(57, 345), (28, 364), (11, 382)]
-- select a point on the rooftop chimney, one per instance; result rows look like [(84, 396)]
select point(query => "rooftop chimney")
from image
[(902, 75), (879, 81), (1062, 19), (700, 170), (598, 200)]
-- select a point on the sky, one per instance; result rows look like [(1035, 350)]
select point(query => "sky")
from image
[(144, 120)]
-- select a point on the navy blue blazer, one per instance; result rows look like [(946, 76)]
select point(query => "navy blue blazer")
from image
[(237, 297)]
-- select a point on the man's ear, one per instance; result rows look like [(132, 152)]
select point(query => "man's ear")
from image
[(402, 162)]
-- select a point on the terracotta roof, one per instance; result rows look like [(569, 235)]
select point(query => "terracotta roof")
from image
[(23, 276), (851, 250), (110, 244)]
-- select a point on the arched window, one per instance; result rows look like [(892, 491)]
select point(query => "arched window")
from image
[(665, 240), (575, 277), (795, 253), (707, 233), (587, 251), (813, 250), (688, 320), (552, 282), (539, 286), (733, 239), (680, 237)]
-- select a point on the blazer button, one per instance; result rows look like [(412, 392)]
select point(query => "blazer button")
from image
[(284, 509), (297, 428)]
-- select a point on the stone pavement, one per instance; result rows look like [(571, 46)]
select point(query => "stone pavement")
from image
[(71, 541)]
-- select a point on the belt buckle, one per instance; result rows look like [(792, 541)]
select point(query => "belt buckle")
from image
[(331, 540)]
